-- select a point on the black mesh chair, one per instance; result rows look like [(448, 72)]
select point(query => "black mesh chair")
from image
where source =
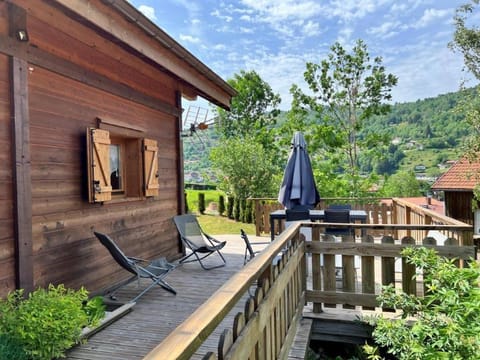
[(154, 270), (337, 216), (200, 244), (340, 207), (297, 215)]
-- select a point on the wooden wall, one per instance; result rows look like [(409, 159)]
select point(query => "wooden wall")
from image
[(77, 76), (458, 205)]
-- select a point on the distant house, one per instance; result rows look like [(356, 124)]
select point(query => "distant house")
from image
[(90, 120), (458, 184), (420, 168)]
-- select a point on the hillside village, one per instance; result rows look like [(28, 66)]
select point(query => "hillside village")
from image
[(428, 133)]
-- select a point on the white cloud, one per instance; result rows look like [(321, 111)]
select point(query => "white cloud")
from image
[(426, 71), (311, 28), (280, 10), (246, 30), (385, 30), (348, 10), (431, 15), (148, 11), (190, 39), (218, 15)]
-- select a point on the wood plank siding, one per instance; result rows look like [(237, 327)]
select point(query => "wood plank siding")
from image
[(79, 75), (458, 205)]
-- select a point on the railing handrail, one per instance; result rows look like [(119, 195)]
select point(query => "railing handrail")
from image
[(208, 316), (453, 227), (434, 215)]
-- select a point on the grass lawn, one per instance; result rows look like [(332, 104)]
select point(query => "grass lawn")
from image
[(217, 225)]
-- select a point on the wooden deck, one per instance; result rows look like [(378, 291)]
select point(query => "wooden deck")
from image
[(158, 312)]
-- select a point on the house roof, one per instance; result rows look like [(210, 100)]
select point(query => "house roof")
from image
[(164, 50), (463, 175)]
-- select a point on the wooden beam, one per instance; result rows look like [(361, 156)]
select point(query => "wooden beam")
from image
[(68, 69), (180, 169), (385, 250), (22, 181)]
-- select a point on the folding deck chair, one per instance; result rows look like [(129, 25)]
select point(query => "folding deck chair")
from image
[(199, 243), (155, 270), (249, 252)]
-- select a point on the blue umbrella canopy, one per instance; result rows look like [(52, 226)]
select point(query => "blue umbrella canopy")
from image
[(298, 186)]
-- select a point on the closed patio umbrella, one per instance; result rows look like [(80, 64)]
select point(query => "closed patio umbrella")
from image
[(298, 188)]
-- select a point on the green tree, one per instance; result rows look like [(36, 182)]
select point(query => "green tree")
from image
[(346, 89), (244, 168), (253, 110), (401, 184), (466, 38)]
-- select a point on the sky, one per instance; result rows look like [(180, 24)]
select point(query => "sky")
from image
[(276, 38)]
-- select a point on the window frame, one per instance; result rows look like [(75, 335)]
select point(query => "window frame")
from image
[(138, 163)]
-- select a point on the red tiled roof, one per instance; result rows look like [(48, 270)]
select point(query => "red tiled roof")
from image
[(463, 175)]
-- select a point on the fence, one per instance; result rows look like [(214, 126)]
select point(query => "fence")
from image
[(345, 272)]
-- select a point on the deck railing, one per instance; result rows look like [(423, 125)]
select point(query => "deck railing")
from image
[(379, 211), (266, 328), (404, 212), (342, 272), (350, 270)]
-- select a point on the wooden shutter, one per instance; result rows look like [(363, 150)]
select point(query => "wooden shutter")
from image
[(150, 161), (98, 148)]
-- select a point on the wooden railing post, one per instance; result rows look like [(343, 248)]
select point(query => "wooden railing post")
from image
[(316, 269), (348, 271), (409, 284), (368, 271)]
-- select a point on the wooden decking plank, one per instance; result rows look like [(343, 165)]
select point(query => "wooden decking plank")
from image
[(158, 312)]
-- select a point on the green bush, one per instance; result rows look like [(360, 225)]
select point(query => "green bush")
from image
[(11, 349), (249, 211), (201, 203), (236, 209), (49, 321), (186, 203), (221, 205), (231, 201), (446, 321)]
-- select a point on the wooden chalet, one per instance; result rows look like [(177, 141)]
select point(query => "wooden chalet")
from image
[(458, 184), (90, 115)]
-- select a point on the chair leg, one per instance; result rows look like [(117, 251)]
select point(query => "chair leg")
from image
[(112, 292), (224, 262), (200, 258)]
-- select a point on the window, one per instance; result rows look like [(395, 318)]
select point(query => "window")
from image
[(121, 164), (117, 176)]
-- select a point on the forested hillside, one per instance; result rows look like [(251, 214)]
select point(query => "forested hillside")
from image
[(425, 134)]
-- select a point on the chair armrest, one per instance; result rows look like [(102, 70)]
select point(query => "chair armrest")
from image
[(136, 260), (212, 239)]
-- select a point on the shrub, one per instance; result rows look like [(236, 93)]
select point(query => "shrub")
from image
[(201, 203), (186, 203), (231, 201), (49, 321), (11, 349), (249, 211), (221, 205), (236, 209), (446, 321)]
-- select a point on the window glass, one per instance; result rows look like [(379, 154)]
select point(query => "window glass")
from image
[(115, 167)]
